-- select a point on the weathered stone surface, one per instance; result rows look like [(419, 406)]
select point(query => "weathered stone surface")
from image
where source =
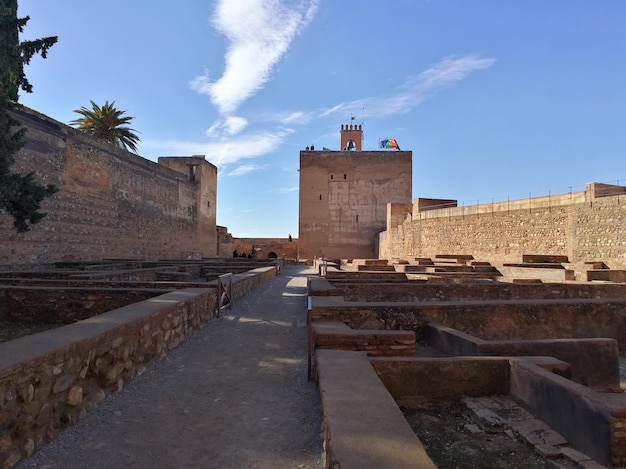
[(74, 396), (548, 451), (26, 391), (114, 371), (29, 447), (504, 232), (45, 415), (110, 199), (63, 383), (345, 204), (5, 442)]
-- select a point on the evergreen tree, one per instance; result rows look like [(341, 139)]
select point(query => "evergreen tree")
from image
[(20, 195)]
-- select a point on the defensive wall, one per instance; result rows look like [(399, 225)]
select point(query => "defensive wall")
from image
[(585, 226), (268, 248), (343, 200), (225, 242), (111, 203), (50, 380)]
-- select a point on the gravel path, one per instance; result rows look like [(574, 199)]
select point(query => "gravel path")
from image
[(235, 395)]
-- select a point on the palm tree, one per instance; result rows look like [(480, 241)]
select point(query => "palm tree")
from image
[(107, 123)]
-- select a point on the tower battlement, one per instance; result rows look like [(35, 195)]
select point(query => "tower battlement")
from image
[(351, 137)]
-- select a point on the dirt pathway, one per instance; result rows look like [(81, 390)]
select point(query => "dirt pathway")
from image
[(235, 395)]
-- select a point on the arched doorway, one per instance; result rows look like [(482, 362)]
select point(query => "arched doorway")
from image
[(272, 255)]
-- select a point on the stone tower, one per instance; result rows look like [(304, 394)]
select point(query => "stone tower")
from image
[(344, 197), (351, 137)]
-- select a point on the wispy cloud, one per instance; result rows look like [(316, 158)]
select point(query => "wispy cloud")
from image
[(415, 89), (225, 152), (284, 190), (245, 169), (231, 125), (231, 145), (258, 34)]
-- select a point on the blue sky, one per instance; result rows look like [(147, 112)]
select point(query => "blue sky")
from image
[(497, 99)]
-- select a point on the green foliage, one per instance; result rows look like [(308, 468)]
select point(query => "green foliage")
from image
[(15, 54), (107, 123), (20, 196)]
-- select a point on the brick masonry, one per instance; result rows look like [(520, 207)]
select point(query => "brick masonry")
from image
[(343, 200), (111, 203), (489, 320)]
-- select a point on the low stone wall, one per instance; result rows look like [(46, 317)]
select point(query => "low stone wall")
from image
[(318, 286), (412, 291), (333, 273), (424, 383), (607, 275), (337, 336), (594, 362), (593, 422), (362, 426), (489, 320), (50, 380)]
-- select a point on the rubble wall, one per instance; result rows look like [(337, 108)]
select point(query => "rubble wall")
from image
[(111, 203), (593, 229)]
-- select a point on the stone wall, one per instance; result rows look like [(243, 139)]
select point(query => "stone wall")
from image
[(111, 203), (593, 422), (225, 242), (422, 383), (476, 291), (343, 200), (269, 248), (50, 380), (586, 226), (487, 320)]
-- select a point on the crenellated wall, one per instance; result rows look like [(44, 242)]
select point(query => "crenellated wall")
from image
[(110, 203), (585, 226)]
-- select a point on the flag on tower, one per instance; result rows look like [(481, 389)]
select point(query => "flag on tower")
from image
[(389, 143)]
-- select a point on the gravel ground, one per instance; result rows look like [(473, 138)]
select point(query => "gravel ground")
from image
[(235, 395), (451, 445)]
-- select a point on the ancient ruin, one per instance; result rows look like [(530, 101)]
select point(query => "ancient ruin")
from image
[(552, 346), (513, 311)]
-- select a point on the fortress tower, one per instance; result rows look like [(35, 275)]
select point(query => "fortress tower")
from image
[(351, 137), (344, 196)]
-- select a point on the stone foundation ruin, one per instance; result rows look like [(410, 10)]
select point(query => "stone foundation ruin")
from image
[(548, 343), (104, 323)]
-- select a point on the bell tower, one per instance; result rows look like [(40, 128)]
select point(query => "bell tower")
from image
[(351, 137)]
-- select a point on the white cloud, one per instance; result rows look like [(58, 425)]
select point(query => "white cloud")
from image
[(415, 89), (245, 169), (232, 125), (297, 117), (230, 145), (224, 152), (258, 34), (285, 190)]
